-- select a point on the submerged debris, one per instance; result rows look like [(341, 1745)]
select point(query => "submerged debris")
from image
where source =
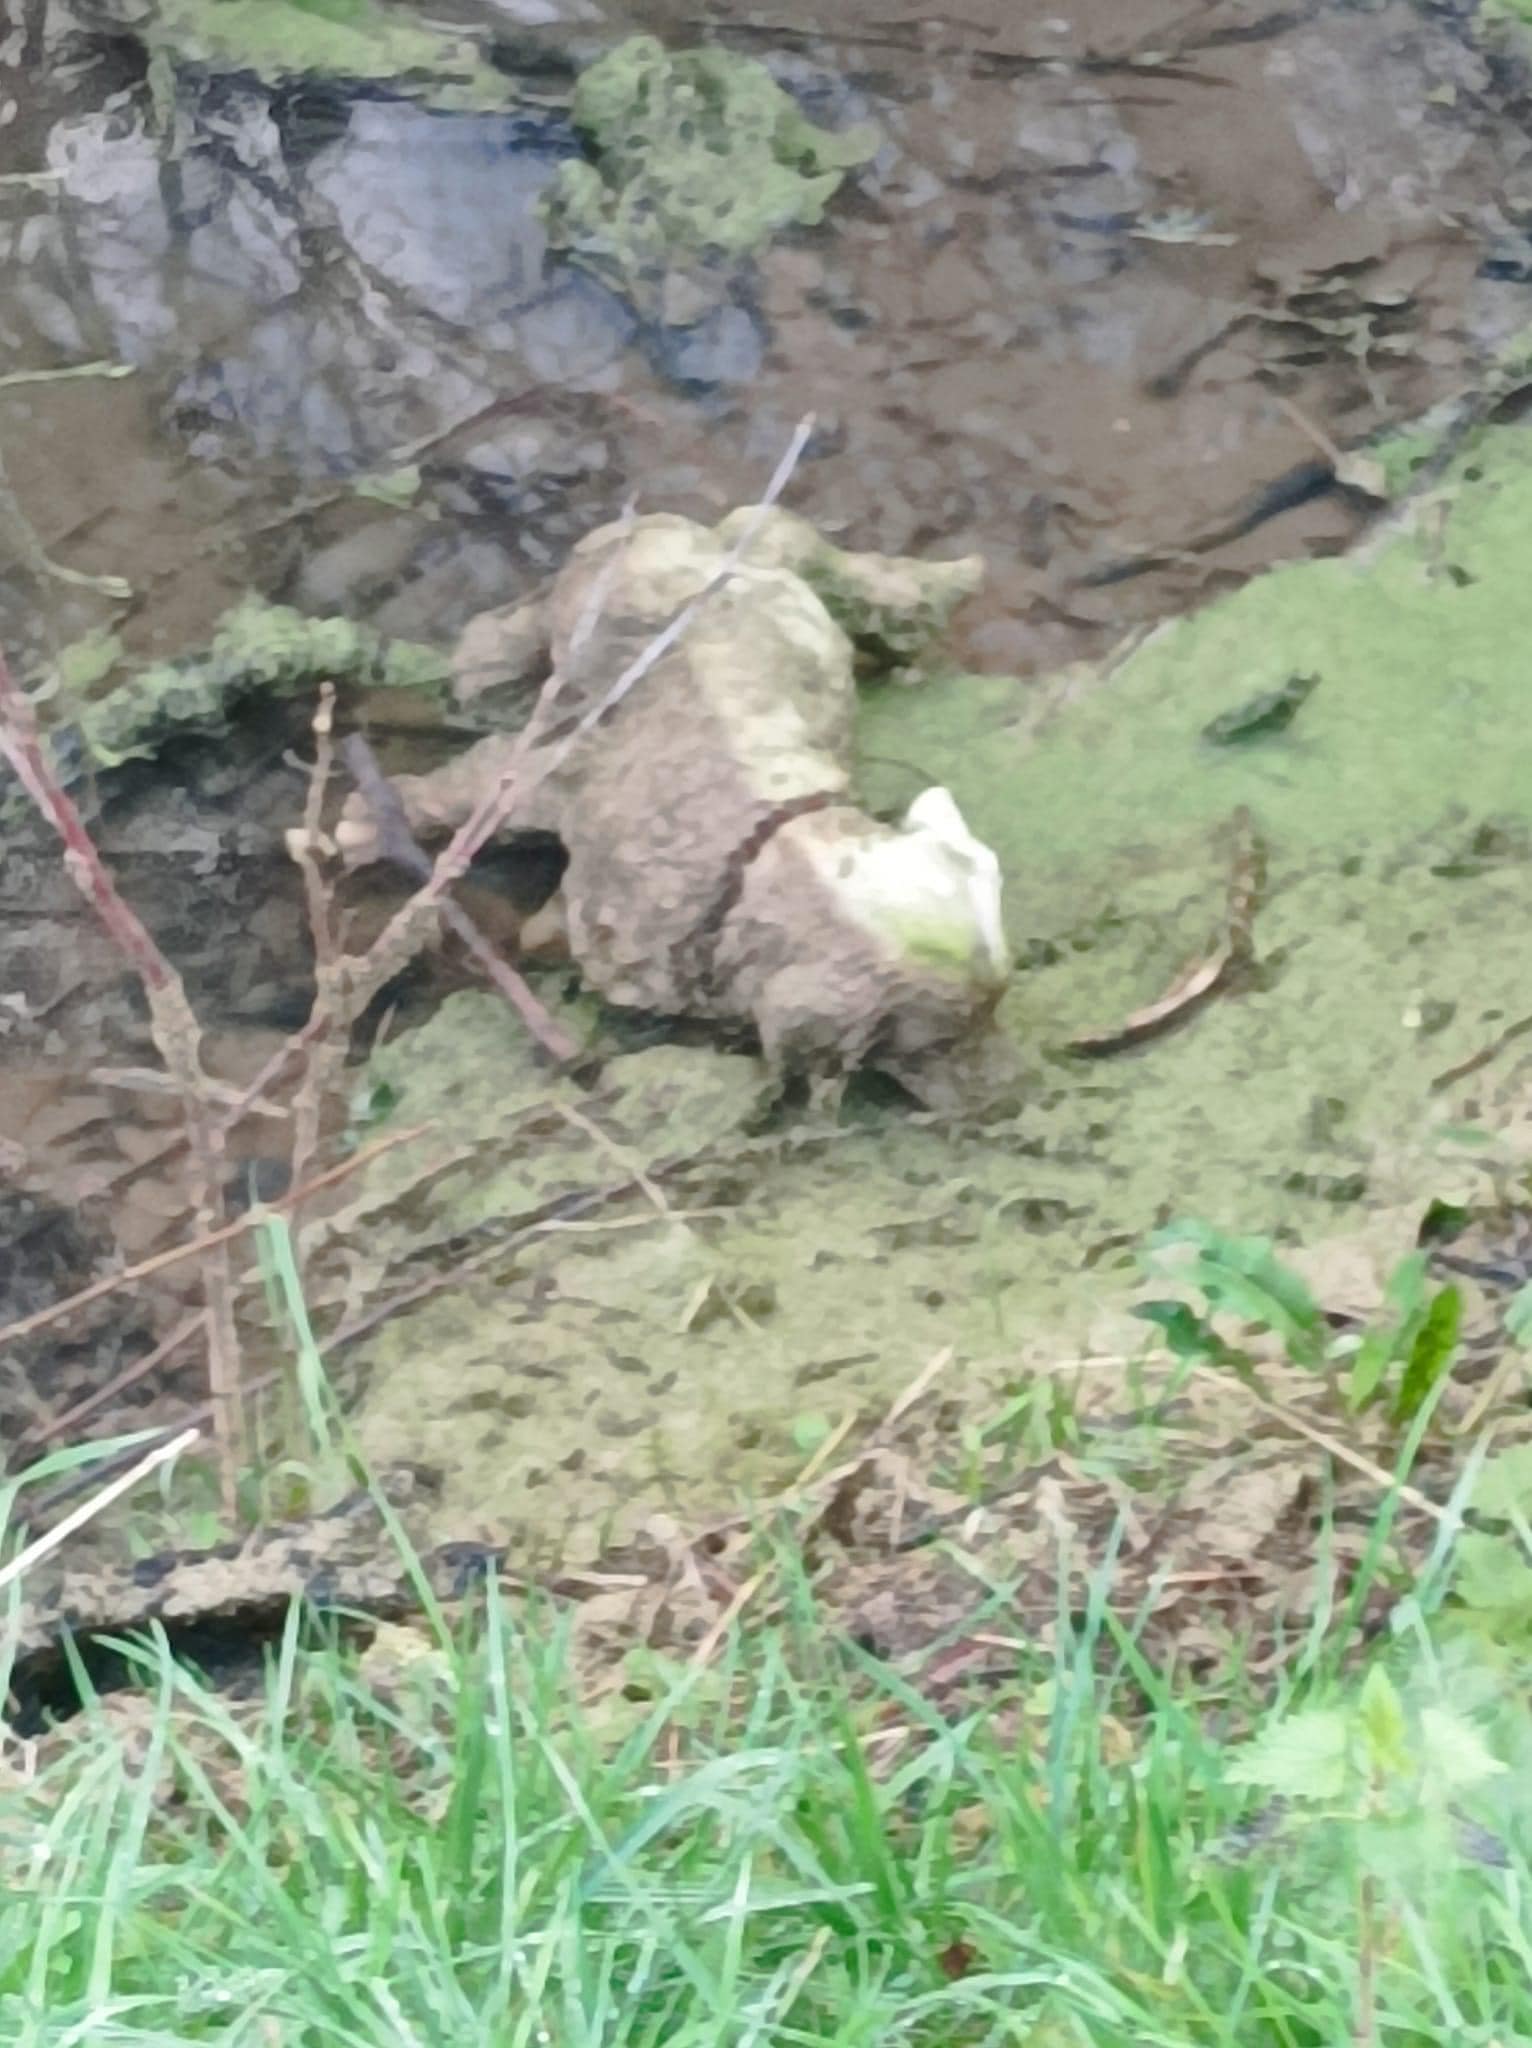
[(699, 159), (1233, 953), (1271, 712)]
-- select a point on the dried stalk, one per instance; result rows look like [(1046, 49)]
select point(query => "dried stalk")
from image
[(398, 844), (178, 1037), (58, 1311), (308, 1103), (119, 1383)]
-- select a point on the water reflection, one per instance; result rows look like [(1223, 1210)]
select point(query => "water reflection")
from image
[(1049, 320)]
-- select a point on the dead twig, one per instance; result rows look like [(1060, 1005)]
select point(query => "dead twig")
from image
[(652, 1193), (1482, 1058), (1334, 1445), (724, 1621), (140, 1369), (149, 1081), (57, 1311), (178, 1038), (452, 1276), (398, 844), (1192, 988), (308, 1102), (396, 945)]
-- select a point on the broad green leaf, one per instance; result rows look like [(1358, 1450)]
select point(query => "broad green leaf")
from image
[(1380, 1719), (1243, 1276), (1305, 1756), (1505, 1485), (1492, 1575), (1453, 1751), (1184, 1331), (1431, 1354)]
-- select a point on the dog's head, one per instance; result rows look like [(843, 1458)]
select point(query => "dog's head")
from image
[(903, 958)]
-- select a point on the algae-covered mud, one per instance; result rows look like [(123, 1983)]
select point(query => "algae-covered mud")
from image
[(1316, 1101), (1133, 313), (698, 160)]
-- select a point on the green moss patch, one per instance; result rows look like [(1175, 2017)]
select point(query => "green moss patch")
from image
[(696, 157), (348, 39), (257, 647)]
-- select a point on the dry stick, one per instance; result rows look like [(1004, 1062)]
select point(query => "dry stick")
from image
[(723, 1622), (375, 968), (110, 1282), (1483, 1056), (176, 1033), (149, 1081), (1233, 954), (499, 1248), (307, 1035), (917, 1389), (98, 1502), (309, 1102), (1357, 1460), (398, 844), (652, 1193), (140, 1369)]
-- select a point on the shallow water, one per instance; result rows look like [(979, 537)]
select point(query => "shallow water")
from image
[(1096, 310)]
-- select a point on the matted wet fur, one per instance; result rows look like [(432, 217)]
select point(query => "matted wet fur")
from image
[(719, 866)]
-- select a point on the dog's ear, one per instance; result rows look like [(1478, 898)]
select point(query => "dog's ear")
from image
[(935, 816)]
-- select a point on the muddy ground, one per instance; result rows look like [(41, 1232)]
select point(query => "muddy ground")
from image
[(1118, 286)]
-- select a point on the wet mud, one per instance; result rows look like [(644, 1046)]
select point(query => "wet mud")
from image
[(1104, 308)]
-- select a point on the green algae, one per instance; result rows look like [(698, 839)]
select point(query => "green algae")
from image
[(86, 663), (697, 157), (278, 40), (473, 1075), (893, 608), (1314, 1104), (650, 1355), (1110, 821), (257, 647)]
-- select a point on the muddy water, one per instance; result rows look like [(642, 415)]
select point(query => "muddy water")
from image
[(1116, 281)]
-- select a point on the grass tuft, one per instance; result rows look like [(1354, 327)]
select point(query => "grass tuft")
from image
[(437, 1841)]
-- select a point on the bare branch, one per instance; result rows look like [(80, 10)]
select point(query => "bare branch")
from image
[(57, 1311), (178, 1037), (308, 1103), (398, 844)]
